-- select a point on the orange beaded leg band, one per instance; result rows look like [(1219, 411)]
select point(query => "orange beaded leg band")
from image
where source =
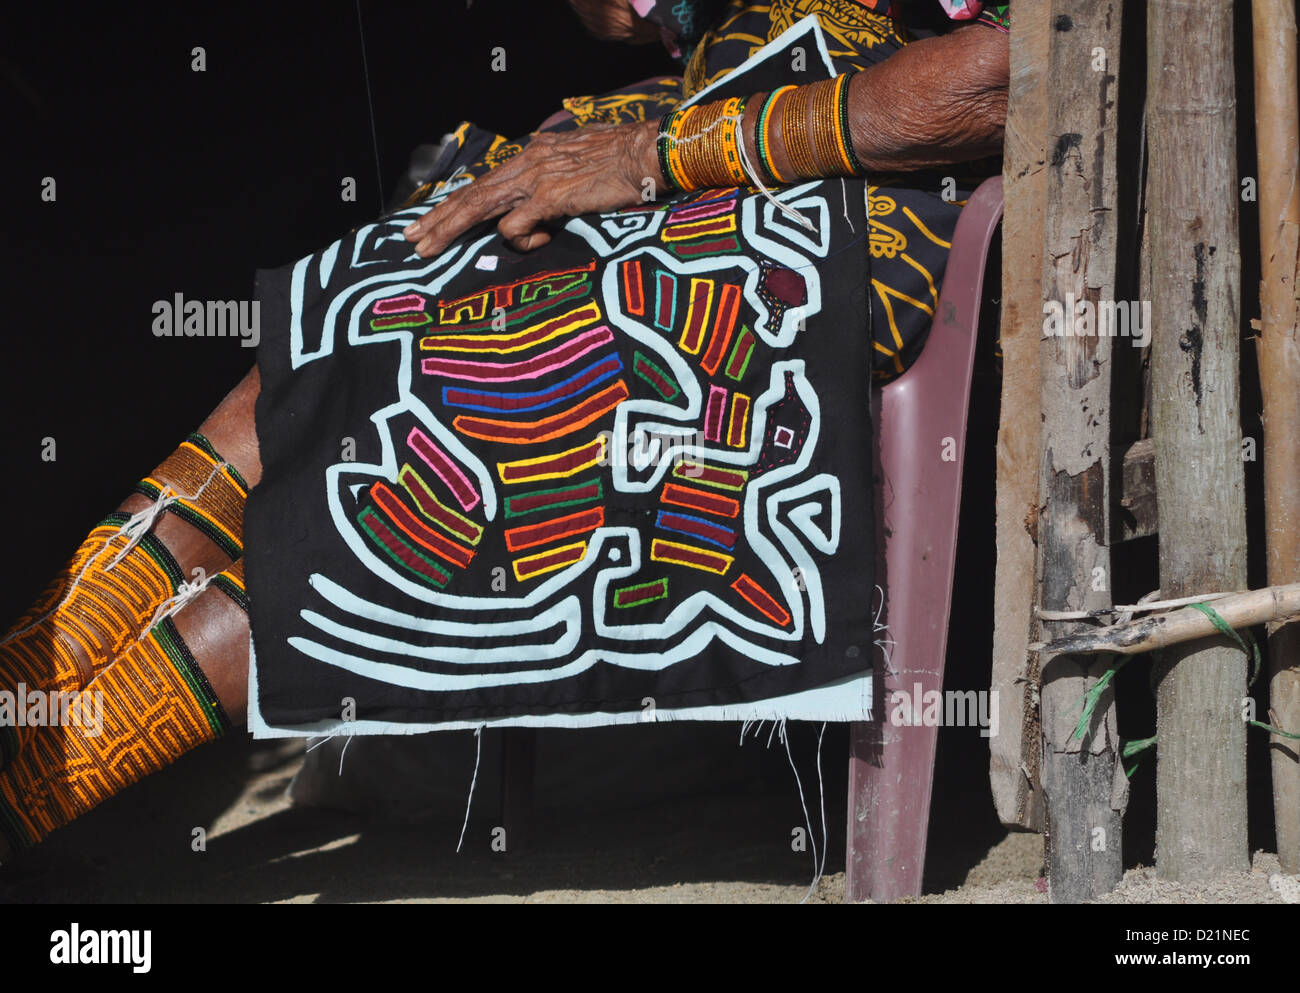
[(92, 611), (111, 590), (208, 492), (143, 712)]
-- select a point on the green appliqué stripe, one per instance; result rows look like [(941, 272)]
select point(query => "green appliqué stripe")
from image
[(446, 576), (414, 321), (644, 592), (746, 343), (640, 359), (682, 470), (510, 500)]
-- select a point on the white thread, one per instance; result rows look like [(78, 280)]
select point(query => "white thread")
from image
[(785, 739), (133, 521), (748, 167), (478, 733), (821, 792), (752, 173), (139, 524), (328, 737), (349, 741), (877, 627), (844, 192), (184, 594)]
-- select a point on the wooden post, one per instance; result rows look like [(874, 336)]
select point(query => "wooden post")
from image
[(1014, 751), (1083, 780), (1192, 198), (1277, 130)]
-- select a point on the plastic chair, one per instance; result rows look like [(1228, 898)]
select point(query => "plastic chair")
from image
[(891, 769)]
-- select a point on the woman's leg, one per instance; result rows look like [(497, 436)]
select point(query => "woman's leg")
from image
[(154, 703), (159, 672), (183, 523), (219, 633)]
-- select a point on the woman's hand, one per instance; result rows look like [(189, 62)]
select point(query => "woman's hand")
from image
[(595, 168)]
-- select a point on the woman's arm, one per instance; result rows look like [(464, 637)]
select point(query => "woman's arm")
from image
[(937, 101)]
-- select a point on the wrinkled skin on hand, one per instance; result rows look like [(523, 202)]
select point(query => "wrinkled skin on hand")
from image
[(596, 168)]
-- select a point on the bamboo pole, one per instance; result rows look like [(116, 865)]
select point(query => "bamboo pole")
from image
[(1084, 786), (1277, 137), (1200, 482), (1146, 634)]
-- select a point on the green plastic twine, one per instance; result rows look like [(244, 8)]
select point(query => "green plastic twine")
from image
[(1223, 626), (1093, 695), (1226, 629), (1135, 747)]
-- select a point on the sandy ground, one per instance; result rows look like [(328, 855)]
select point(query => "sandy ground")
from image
[(669, 814)]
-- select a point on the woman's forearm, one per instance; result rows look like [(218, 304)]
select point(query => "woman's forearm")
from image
[(938, 101)]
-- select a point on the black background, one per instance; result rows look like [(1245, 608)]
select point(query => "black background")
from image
[(171, 180)]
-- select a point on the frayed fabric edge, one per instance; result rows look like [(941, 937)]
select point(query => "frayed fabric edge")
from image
[(843, 701)]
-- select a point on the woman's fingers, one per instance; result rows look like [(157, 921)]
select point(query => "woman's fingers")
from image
[(598, 167), (519, 227), (489, 196), (461, 211)]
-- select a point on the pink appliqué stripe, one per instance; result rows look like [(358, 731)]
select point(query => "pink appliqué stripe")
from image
[(400, 305), (437, 460), (683, 214), (713, 413)]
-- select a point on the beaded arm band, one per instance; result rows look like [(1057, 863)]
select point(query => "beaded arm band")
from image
[(700, 146)]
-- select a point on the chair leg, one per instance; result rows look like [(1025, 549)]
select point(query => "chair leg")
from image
[(518, 764), (891, 771), (891, 765)]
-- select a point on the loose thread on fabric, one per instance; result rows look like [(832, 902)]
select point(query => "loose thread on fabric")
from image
[(821, 793), (812, 841), (819, 864), (328, 737), (478, 754), (344, 752), (885, 644)]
